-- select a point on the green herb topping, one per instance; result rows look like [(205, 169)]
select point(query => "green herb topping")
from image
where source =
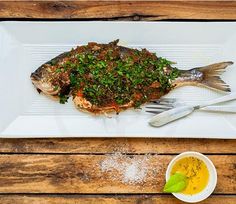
[(114, 76)]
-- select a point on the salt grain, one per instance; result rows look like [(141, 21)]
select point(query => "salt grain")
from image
[(134, 174), (128, 170)]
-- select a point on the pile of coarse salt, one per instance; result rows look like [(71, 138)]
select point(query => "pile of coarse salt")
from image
[(125, 168)]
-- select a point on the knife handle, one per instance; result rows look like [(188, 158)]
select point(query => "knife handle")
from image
[(170, 115), (224, 109), (228, 97)]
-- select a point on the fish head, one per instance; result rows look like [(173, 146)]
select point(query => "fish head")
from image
[(41, 80)]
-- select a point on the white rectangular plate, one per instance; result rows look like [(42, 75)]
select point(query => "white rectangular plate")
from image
[(24, 46)]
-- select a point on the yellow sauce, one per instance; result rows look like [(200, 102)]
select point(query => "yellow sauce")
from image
[(196, 172)]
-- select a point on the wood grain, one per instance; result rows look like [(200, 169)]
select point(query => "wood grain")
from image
[(35, 167), (83, 174), (109, 145), (78, 199), (123, 10)]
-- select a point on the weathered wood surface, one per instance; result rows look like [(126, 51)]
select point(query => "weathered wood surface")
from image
[(123, 10), (109, 145), (100, 199), (84, 174), (65, 171)]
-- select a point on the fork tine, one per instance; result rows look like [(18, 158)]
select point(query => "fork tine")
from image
[(154, 112), (159, 107), (163, 103), (167, 100)]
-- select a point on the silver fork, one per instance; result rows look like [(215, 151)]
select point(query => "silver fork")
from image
[(164, 104), (160, 105), (185, 110)]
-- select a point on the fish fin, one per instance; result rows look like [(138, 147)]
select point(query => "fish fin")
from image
[(114, 43), (211, 76)]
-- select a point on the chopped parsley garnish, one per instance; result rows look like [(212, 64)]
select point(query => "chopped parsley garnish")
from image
[(58, 70), (56, 88), (53, 62), (111, 76), (63, 98)]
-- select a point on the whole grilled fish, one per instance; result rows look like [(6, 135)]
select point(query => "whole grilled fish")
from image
[(108, 77)]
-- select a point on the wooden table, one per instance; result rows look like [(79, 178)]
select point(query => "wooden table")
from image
[(67, 171)]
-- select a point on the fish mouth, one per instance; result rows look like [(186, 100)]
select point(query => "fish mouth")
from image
[(35, 80), (35, 77), (44, 87)]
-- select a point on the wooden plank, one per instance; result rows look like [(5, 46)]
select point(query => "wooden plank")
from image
[(119, 10), (136, 199), (85, 174), (108, 145)]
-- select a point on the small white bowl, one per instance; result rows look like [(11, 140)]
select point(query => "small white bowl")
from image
[(211, 183)]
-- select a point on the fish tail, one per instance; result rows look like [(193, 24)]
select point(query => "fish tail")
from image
[(207, 76), (211, 76)]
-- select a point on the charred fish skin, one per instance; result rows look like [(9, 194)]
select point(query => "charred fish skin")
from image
[(108, 77), (38, 74), (52, 78)]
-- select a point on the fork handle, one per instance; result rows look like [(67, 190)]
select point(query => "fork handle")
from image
[(171, 115)]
